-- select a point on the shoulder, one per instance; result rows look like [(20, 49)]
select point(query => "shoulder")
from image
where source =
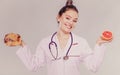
[(46, 39), (81, 40), (78, 38)]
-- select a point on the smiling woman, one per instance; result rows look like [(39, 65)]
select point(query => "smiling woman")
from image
[(63, 51), (60, 45)]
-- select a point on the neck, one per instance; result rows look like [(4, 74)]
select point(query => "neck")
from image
[(63, 35)]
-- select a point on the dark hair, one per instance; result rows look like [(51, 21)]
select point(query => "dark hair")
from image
[(69, 5)]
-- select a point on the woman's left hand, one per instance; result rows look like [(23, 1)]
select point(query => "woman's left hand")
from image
[(102, 41)]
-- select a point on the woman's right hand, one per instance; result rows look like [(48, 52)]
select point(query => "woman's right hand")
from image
[(13, 39)]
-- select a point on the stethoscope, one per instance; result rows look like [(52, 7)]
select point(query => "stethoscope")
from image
[(66, 57)]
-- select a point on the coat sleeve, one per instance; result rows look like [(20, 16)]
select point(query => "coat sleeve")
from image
[(32, 62), (94, 59)]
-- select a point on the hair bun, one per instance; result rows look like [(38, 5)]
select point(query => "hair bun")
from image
[(69, 2)]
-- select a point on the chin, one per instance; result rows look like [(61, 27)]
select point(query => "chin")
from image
[(67, 31)]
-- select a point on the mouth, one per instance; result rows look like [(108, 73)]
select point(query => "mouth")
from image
[(68, 26)]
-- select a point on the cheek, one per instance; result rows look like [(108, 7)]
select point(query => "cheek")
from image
[(61, 23), (74, 25), (62, 20)]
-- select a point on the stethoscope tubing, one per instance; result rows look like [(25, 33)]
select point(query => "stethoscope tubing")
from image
[(53, 43), (70, 44)]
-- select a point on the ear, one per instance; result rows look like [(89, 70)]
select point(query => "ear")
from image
[(58, 18)]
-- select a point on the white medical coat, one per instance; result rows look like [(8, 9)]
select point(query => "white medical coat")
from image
[(80, 52)]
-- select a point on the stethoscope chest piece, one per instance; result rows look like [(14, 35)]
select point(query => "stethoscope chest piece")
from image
[(65, 57)]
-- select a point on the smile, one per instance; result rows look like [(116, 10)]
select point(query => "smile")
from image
[(68, 26)]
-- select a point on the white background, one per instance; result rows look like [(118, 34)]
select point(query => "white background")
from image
[(36, 19)]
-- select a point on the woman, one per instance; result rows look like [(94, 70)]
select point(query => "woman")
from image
[(63, 51)]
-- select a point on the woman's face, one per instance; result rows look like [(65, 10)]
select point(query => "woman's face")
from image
[(68, 21)]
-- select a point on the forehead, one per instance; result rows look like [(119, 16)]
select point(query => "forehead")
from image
[(71, 13)]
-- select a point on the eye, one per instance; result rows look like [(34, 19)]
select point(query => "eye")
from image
[(75, 21), (67, 18)]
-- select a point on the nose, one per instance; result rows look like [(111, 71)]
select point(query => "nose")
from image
[(70, 22)]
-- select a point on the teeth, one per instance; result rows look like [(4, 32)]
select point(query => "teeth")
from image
[(68, 26)]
